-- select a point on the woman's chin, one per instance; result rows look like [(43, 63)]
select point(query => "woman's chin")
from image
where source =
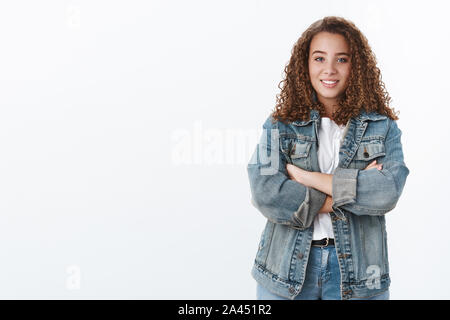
[(329, 96)]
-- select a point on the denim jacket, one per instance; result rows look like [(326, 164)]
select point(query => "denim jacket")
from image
[(361, 198)]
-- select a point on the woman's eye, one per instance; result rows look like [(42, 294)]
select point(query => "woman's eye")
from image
[(343, 60)]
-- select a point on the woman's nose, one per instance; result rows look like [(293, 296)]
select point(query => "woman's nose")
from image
[(330, 69)]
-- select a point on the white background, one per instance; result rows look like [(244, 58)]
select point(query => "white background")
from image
[(126, 127)]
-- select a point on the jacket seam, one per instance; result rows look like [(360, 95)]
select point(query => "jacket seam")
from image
[(274, 276)]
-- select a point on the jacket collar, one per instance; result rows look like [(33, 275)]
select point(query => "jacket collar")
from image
[(372, 116), (313, 116), (363, 116)]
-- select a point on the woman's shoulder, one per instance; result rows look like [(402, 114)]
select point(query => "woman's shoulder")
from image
[(371, 116), (275, 122), (270, 122)]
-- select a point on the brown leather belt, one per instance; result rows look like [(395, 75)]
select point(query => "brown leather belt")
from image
[(325, 242)]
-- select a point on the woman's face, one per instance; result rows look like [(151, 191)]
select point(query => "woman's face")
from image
[(329, 66)]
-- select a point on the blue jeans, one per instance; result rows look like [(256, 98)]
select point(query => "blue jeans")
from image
[(323, 279)]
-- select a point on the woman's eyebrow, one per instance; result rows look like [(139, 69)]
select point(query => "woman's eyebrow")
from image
[(338, 54)]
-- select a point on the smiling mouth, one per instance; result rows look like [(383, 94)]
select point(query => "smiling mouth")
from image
[(329, 84)]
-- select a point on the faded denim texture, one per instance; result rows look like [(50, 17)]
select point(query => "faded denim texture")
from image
[(322, 280), (361, 198)]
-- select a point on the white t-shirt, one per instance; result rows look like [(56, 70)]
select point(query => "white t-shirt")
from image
[(330, 138)]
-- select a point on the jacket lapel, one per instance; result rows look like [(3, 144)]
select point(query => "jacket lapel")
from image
[(351, 142)]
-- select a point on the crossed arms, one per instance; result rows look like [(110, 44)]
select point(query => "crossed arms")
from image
[(294, 198), (320, 181)]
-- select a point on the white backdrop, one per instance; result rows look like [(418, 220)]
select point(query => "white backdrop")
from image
[(126, 127)]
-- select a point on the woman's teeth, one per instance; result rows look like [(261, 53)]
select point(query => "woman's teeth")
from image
[(329, 84)]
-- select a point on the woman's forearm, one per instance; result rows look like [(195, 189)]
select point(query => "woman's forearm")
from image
[(320, 181), (327, 205), (324, 181), (317, 180)]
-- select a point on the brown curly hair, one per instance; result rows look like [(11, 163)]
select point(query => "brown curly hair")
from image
[(365, 91)]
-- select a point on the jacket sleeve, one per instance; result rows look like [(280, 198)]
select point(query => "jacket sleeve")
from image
[(280, 199), (372, 192)]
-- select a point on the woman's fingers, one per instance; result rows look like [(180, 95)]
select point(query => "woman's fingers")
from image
[(370, 165), (374, 164)]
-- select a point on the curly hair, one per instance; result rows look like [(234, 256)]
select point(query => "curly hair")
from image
[(365, 90)]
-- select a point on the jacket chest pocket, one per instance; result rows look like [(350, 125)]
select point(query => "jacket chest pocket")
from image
[(367, 152), (297, 151)]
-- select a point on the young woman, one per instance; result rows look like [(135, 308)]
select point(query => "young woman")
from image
[(327, 169)]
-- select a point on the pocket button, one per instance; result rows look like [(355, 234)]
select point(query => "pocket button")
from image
[(366, 154)]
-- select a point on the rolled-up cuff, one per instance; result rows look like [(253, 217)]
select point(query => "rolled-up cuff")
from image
[(344, 186), (304, 216)]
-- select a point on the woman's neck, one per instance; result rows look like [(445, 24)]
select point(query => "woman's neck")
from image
[(329, 109)]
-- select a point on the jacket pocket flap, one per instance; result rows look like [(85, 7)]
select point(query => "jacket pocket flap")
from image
[(300, 149), (370, 150)]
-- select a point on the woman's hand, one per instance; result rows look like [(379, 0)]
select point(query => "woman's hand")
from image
[(296, 173), (374, 164)]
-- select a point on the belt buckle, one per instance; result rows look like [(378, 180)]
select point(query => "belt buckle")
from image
[(326, 243)]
